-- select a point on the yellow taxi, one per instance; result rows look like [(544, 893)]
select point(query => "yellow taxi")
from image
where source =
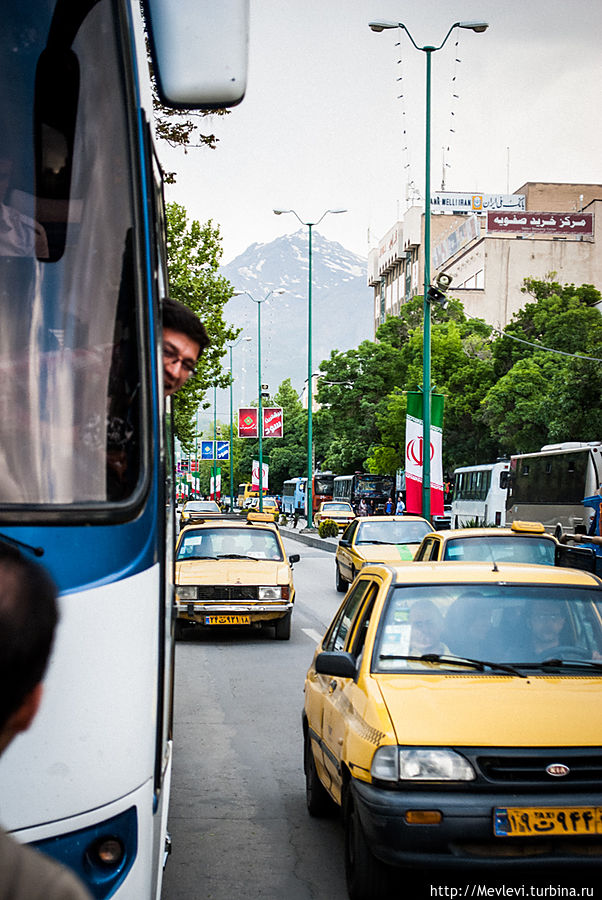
[(270, 506), (197, 510), (338, 511), (377, 539), (455, 718), (523, 542), (231, 572)]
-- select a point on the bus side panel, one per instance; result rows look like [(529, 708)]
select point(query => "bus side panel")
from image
[(110, 630)]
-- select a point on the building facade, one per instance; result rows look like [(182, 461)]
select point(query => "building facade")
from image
[(490, 248)]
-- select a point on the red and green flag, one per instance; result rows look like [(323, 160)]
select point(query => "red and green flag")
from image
[(415, 454)]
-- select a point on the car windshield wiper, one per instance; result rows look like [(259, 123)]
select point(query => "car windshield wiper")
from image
[(189, 558), (480, 664), (375, 542), (235, 556), (563, 664)]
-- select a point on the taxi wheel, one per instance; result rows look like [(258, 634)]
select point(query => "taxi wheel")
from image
[(317, 798), (367, 877), (340, 581), (282, 630)]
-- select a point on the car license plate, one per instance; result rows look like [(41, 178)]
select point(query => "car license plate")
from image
[(227, 620), (533, 821)]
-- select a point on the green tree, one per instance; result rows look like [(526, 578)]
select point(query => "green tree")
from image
[(542, 397), (194, 252), (461, 369), (359, 379)]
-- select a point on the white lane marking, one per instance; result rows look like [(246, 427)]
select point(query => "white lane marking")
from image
[(312, 634)]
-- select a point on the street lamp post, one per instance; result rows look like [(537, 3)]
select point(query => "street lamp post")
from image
[(310, 225), (231, 347), (478, 27), (260, 412)]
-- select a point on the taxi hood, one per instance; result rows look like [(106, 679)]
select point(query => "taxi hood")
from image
[(494, 710), (232, 571), (387, 553)]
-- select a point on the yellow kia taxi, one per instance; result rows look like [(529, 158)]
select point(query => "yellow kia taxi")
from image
[(377, 539), (455, 718), (197, 510), (229, 572), (338, 511), (523, 542)]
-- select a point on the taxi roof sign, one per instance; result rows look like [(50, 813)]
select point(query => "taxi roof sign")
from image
[(528, 527)]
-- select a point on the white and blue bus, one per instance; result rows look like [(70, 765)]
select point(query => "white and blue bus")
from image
[(85, 458), (293, 496), (480, 493)]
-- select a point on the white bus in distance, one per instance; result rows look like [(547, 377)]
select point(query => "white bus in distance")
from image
[(480, 494), (550, 486)]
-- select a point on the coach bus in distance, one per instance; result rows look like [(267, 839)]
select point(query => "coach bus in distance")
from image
[(321, 490), (374, 489), (550, 486), (293, 496), (480, 494), (86, 463)]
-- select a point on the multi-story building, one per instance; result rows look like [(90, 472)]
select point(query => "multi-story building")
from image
[(490, 248)]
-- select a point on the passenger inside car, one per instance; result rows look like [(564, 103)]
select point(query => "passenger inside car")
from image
[(468, 629)]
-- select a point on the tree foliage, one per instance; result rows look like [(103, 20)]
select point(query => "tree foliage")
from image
[(503, 392), (194, 252)]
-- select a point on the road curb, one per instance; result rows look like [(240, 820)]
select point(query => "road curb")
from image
[(311, 540)]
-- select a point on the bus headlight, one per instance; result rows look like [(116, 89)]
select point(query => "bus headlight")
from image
[(186, 591)]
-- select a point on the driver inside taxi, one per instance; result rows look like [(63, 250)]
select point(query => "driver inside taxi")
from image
[(427, 626)]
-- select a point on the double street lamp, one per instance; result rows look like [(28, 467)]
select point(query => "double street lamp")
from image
[(310, 225), (259, 301), (231, 345), (478, 27)]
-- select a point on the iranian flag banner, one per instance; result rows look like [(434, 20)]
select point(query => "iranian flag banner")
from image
[(414, 454)]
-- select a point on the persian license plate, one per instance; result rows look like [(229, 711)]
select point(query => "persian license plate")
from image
[(227, 620), (535, 821)]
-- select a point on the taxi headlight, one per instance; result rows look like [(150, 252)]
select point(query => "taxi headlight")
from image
[(270, 592), (186, 591), (424, 764)]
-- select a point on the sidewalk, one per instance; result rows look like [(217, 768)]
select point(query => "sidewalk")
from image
[(310, 538)]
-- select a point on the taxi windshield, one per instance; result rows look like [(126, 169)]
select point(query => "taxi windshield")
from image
[(336, 507), (493, 623), (399, 532), (222, 543), (201, 506), (505, 548)]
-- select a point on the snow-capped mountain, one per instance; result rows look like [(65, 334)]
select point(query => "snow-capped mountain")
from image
[(342, 308)]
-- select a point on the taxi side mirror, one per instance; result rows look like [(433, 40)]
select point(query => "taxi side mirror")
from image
[(336, 663), (293, 558)]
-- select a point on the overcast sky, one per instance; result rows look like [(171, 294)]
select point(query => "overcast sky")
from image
[(322, 123)]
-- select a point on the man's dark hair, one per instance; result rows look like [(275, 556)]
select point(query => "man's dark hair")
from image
[(28, 617), (180, 318)]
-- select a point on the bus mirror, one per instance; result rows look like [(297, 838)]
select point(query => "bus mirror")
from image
[(199, 50), (504, 480)]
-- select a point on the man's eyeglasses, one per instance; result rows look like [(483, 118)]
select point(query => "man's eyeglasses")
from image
[(171, 356)]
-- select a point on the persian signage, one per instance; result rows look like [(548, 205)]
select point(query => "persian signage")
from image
[(565, 224), (444, 201)]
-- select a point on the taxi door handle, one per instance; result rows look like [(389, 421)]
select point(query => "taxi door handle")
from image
[(332, 686)]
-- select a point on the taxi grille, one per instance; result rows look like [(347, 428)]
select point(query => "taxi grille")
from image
[(219, 592), (529, 766)]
